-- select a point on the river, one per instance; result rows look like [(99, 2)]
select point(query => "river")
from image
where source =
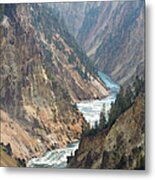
[(91, 111)]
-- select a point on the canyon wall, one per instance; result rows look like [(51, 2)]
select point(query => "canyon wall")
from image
[(42, 75)]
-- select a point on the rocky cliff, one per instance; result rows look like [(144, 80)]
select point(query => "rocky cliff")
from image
[(112, 34), (43, 73), (121, 147)]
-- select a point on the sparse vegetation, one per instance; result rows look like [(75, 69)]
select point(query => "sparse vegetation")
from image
[(48, 56), (71, 58), (52, 77), (1, 12), (48, 37), (125, 99), (59, 45), (103, 122), (91, 131)]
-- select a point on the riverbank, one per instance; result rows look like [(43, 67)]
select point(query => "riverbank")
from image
[(91, 111)]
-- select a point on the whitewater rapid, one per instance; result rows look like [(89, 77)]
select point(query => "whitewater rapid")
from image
[(55, 158), (91, 111)]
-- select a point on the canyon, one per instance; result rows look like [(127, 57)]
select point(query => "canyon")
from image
[(90, 109), (120, 147), (111, 33), (38, 83), (61, 66)]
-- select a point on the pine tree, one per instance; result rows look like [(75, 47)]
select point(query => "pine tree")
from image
[(96, 125), (129, 97), (103, 122)]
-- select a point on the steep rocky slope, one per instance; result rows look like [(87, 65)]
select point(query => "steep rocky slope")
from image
[(42, 74), (121, 147), (112, 33)]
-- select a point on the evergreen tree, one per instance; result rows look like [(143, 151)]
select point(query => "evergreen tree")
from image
[(129, 97), (125, 99), (103, 122), (1, 12), (96, 125)]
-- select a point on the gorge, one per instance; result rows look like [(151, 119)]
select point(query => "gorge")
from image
[(61, 65), (43, 73), (91, 110)]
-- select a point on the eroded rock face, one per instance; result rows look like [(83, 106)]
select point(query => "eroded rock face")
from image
[(112, 33), (38, 83), (121, 147)]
